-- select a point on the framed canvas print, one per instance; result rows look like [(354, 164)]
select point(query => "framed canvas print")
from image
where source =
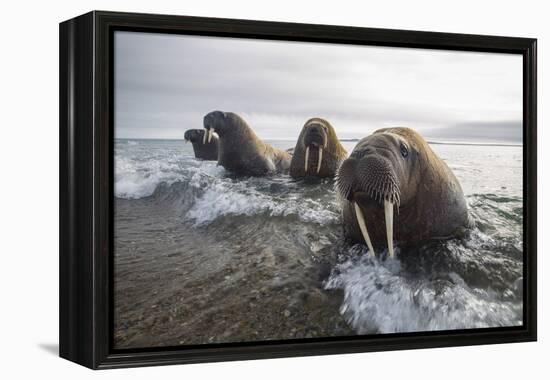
[(235, 189)]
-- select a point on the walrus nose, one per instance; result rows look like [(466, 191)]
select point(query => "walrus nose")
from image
[(313, 136), (313, 131), (363, 152)]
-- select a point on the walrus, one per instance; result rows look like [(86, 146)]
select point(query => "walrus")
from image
[(240, 150), (395, 168), (205, 150), (318, 151)]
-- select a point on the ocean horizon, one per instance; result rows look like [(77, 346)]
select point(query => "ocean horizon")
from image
[(356, 139)]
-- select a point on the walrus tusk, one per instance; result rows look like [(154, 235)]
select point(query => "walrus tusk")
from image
[(307, 157), (210, 134), (320, 159), (388, 212), (204, 136), (361, 220)]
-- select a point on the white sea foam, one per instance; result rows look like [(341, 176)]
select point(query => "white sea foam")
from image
[(224, 197), (139, 178), (378, 298), (134, 185)]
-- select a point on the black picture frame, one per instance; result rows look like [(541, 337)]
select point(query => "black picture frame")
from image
[(86, 188)]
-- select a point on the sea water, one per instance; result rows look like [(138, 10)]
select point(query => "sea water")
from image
[(203, 256)]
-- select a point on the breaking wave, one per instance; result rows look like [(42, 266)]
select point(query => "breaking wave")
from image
[(383, 297), (210, 192), (221, 199)]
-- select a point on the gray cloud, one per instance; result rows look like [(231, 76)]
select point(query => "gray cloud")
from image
[(503, 131), (164, 84)]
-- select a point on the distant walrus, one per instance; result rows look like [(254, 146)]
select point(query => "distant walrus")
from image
[(396, 168), (240, 150), (318, 151), (205, 150)]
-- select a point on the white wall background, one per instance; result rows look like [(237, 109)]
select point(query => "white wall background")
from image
[(29, 188)]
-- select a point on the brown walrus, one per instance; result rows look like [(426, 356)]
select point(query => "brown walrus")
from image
[(205, 150), (240, 150), (396, 168), (318, 151)]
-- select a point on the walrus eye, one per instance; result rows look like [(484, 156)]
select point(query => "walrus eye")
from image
[(404, 150)]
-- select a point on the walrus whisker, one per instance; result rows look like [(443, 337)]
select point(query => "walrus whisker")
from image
[(388, 212), (363, 227), (319, 160), (307, 158)]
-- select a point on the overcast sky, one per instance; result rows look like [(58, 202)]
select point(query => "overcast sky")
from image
[(165, 84)]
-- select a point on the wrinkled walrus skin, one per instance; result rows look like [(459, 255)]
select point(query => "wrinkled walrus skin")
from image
[(204, 151), (318, 144), (394, 169), (239, 149)]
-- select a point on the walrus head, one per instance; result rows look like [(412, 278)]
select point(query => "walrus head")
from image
[(315, 136), (380, 174), (228, 125), (317, 152), (223, 123), (213, 122), (194, 135)]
